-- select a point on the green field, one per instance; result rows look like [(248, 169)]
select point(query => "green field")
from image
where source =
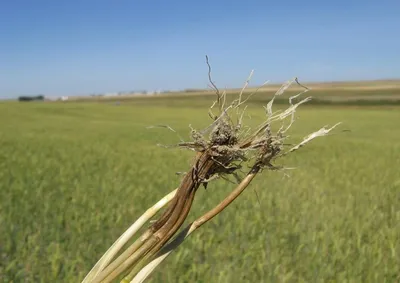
[(74, 176)]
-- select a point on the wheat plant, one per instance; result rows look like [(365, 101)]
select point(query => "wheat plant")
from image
[(222, 150)]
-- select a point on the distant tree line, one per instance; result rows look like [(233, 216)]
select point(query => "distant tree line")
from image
[(31, 98)]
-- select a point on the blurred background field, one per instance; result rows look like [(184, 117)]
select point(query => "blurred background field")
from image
[(379, 92), (75, 175)]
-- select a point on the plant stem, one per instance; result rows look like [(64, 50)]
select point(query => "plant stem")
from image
[(167, 225), (130, 261), (164, 252), (126, 236)]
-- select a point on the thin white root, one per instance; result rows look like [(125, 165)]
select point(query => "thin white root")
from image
[(320, 133), (245, 86), (126, 236)]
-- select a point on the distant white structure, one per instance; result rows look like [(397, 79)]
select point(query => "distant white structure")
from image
[(111, 94), (51, 98), (64, 98)]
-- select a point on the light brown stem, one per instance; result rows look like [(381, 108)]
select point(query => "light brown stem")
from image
[(170, 221), (131, 260), (164, 252), (123, 257)]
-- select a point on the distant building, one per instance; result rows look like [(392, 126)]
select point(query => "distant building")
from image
[(51, 98), (111, 94)]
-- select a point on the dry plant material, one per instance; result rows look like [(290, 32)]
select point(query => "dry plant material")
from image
[(221, 150)]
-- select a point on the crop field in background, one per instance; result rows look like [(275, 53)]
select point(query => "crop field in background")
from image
[(345, 93), (74, 176)]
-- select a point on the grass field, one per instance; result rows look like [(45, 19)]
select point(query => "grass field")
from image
[(335, 93), (320, 96), (74, 176)]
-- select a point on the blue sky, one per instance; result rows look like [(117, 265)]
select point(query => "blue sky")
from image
[(91, 46)]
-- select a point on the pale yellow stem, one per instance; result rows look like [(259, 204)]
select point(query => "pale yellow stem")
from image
[(126, 236)]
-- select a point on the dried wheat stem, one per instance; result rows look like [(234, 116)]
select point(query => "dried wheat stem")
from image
[(148, 269), (131, 260), (160, 243), (124, 257), (185, 198), (126, 236), (163, 229), (141, 246), (133, 251)]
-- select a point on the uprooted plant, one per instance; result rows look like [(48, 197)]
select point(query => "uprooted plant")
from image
[(221, 150)]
